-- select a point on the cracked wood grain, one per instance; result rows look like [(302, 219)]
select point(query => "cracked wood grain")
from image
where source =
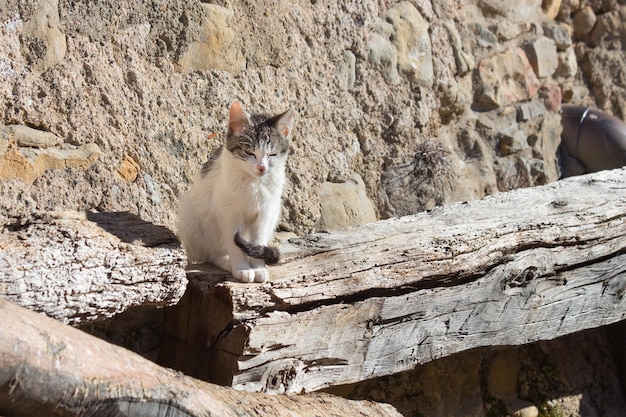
[(47, 368), (517, 267), (81, 267)]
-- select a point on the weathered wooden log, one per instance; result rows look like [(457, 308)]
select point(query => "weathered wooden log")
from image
[(48, 368), (79, 267), (513, 268)]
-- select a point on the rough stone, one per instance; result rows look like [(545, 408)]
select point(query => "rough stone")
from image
[(609, 30), (530, 110), (348, 70), (505, 78), (575, 94), (345, 204), (80, 157), (605, 71), (29, 137), (506, 30), (382, 53), (28, 164), (45, 28), (217, 47), (568, 65), (560, 33), (152, 188), (584, 21), (543, 57), (517, 12), (4, 144), (512, 140), (551, 96), (484, 37), (128, 169), (464, 62), (551, 8), (13, 165), (412, 42), (547, 134)]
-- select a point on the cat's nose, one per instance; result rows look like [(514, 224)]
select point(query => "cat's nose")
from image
[(261, 168)]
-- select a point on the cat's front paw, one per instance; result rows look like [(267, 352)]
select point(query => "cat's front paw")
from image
[(252, 275), (261, 275), (244, 275)]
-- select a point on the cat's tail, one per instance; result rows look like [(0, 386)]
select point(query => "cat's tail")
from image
[(269, 254)]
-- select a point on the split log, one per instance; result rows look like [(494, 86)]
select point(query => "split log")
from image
[(80, 267), (47, 368), (517, 267)]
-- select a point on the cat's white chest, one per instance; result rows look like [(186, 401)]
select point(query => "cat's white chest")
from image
[(257, 196)]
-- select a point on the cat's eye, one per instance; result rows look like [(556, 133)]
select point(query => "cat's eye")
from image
[(250, 153), (273, 154)]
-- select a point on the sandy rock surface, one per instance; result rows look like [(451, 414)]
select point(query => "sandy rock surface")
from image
[(118, 105)]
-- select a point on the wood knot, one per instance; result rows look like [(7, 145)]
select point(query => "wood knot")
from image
[(559, 203), (280, 380), (522, 279)]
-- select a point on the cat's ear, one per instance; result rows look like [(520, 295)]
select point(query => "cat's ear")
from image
[(237, 118), (284, 123)]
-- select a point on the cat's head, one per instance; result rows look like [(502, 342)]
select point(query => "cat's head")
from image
[(260, 142)]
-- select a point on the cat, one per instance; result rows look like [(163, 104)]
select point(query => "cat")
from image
[(229, 214)]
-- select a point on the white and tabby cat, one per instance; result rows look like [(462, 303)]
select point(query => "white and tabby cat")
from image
[(229, 214)]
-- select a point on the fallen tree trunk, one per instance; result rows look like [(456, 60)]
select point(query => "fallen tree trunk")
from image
[(47, 368), (528, 265), (81, 267)]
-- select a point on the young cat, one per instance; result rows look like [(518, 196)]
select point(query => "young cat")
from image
[(229, 214)]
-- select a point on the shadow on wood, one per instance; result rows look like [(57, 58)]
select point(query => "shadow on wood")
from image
[(131, 228), (343, 307)]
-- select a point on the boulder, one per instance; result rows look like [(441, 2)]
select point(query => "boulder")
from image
[(218, 46), (412, 42), (45, 36), (584, 21), (609, 30), (345, 204), (568, 65), (505, 78), (542, 54), (515, 11), (383, 55), (551, 8), (511, 141), (560, 33), (27, 163)]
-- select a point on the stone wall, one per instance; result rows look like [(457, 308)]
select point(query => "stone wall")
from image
[(114, 106)]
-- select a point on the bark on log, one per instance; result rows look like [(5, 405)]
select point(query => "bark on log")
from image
[(80, 267), (47, 368), (343, 307)]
